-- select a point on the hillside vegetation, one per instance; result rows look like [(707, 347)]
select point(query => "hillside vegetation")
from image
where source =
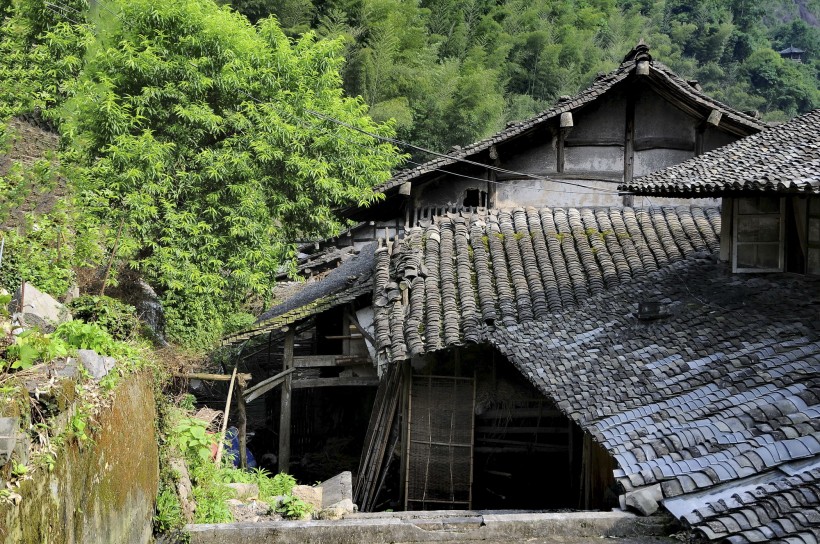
[(190, 143), (452, 71)]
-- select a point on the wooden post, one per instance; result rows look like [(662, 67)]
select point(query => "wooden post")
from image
[(629, 144), (221, 443), (243, 426), (407, 384), (284, 414)]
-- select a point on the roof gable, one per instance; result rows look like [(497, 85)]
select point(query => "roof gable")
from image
[(781, 159), (672, 86)]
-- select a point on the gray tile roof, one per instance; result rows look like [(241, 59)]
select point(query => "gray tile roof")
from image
[(781, 159), (464, 272), (350, 280), (659, 74), (718, 397)]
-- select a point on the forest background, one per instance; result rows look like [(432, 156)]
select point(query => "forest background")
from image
[(191, 148), (453, 71)]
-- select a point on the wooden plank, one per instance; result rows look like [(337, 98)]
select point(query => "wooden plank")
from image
[(285, 406), (221, 442), (319, 361), (493, 429), (575, 174), (242, 378), (507, 413), (353, 381), (593, 142), (533, 445), (264, 386), (661, 142), (243, 427), (629, 144)]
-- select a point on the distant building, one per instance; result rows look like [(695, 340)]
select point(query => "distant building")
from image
[(793, 53)]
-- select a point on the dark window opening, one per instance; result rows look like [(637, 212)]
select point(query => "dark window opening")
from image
[(475, 198)]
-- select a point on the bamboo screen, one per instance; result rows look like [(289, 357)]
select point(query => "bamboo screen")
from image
[(440, 446)]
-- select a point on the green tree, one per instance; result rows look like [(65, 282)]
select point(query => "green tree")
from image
[(198, 144)]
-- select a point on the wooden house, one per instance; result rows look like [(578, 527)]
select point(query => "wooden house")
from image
[(590, 351)]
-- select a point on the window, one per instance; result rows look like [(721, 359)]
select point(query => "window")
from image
[(813, 265), (475, 198), (758, 235)]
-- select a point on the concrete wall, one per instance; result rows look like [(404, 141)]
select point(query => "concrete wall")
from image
[(516, 193), (446, 191), (541, 157), (101, 493)]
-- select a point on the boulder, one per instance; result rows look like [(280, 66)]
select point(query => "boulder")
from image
[(39, 309), (150, 310), (96, 365), (337, 492), (332, 513), (310, 495), (251, 511), (8, 437)]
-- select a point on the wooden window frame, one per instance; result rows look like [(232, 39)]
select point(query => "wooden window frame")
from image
[(780, 242), (811, 245)]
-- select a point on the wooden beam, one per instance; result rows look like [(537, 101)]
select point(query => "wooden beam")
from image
[(559, 150), (243, 427), (263, 387), (714, 117), (501, 429), (660, 142), (319, 361), (593, 142), (606, 175), (629, 143), (352, 381), (508, 413), (285, 406), (242, 378)]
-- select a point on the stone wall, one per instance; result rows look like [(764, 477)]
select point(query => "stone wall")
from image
[(101, 493)]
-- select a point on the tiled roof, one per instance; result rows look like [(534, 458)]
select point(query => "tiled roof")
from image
[(350, 280), (464, 272), (781, 159), (659, 73), (715, 404)]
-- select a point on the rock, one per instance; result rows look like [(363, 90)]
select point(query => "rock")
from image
[(39, 309), (150, 310), (8, 437), (332, 513), (245, 492), (645, 499), (68, 369), (72, 293), (96, 365), (337, 492), (251, 511), (310, 495)]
